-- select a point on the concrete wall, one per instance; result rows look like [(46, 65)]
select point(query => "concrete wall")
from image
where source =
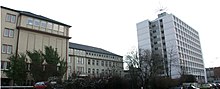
[(29, 40), (143, 33), (8, 40)]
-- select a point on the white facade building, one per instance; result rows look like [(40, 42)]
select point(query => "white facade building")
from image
[(175, 41), (92, 61)]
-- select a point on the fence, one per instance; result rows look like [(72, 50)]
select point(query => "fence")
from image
[(17, 87)]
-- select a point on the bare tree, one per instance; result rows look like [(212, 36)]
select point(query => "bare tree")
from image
[(133, 65), (144, 67), (171, 61)]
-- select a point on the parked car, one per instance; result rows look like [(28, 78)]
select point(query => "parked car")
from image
[(190, 87), (40, 85), (206, 86)]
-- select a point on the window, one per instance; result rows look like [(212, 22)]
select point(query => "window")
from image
[(43, 24), (102, 63), (89, 61), (93, 62), (13, 18), (153, 25), (97, 62), (103, 70), (89, 70), (10, 18), (106, 63), (106, 71), (4, 65), (9, 49), (110, 64), (93, 71), (36, 22), (6, 49), (49, 25), (80, 69), (55, 27), (30, 21), (8, 32), (79, 60), (69, 59), (97, 71), (164, 44), (11, 33), (61, 28)]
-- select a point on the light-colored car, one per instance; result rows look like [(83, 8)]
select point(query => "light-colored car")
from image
[(206, 86), (40, 85)]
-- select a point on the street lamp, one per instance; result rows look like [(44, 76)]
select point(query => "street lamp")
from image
[(44, 65), (28, 61), (58, 66)]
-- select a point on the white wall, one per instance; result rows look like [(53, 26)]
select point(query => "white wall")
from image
[(143, 33)]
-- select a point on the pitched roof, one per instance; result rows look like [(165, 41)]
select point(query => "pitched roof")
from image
[(90, 48), (36, 16)]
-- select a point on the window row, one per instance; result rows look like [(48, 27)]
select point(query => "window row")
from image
[(183, 24), (79, 52), (188, 46), (8, 32), (10, 18), (191, 70), (192, 64), (92, 71), (186, 30), (188, 41), (189, 52), (102, 63), (7, 49), (190, 58), (98, 71), (102, 55), (44, 24), (190, 37)]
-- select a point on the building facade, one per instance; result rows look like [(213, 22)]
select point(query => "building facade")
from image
[(92, 61), (176, 41), (22, 31), (213, 74)]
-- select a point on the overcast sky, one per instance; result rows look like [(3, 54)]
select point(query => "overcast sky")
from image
[(111, 24)]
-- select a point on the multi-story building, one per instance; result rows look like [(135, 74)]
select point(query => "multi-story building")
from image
[(176, 41), (22, 31), (213, 74), (92, 61)]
